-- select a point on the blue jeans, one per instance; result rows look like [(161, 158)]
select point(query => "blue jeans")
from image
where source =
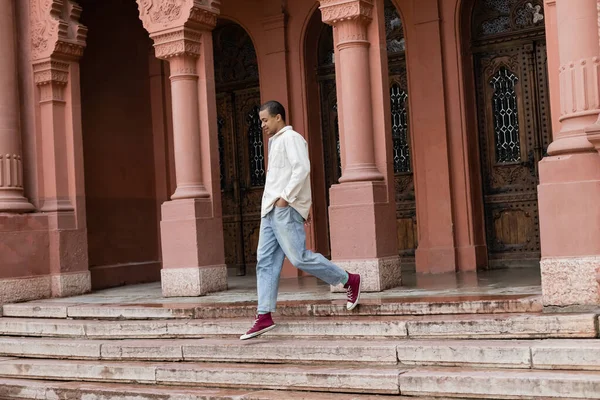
[(282, 235)]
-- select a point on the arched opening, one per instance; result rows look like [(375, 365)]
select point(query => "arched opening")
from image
[(241, 144), (406, 211), (322, 102), (118, 146), (320, 84), (508, 49)]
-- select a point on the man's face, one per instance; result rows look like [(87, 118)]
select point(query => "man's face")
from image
[(269, 123)]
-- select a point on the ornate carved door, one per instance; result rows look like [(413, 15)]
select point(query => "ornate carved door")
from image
[(406, 210), (405, 195), (514, 123), (241, 150)]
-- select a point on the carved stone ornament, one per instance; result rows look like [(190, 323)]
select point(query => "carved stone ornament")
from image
[(160, 15), (334, 11), (51, 77), (177, 43), (48, 72), (55, 29)]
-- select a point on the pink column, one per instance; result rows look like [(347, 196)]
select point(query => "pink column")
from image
[(350, 20), (186, 126), (362, 211), (569, 190), (191, 225), (11, 163), (55, 51)]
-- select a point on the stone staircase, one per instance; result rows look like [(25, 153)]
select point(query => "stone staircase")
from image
[(467, 347)]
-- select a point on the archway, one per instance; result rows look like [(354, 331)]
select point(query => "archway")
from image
[(118, 146), (322, 102), (406, 211), (507, 44), (241, 147)]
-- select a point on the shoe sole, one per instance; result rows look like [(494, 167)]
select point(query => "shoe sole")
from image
[(258, 333), (351, 307)]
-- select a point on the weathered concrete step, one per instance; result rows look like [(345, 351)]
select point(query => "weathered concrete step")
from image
[(342, 378), (420, 382), (565, 354), (388, 306), (18, 389), (273, 350), (500, 384), (502, 326)]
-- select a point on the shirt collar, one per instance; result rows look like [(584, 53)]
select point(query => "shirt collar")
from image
[(285, 128)]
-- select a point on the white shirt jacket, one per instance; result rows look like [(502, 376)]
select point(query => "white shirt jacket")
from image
[(288, 172)]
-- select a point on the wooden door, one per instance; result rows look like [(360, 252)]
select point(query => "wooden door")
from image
[(514, 126), (241, 144)]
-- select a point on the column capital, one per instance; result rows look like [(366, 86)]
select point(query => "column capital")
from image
[(55, 29), (50, 71), (161, 15), (335, 11), (177, 42)]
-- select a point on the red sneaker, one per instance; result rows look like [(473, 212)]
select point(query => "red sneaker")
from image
[(352, 290), (262, 324)]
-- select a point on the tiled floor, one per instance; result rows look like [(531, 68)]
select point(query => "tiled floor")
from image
[(493, 284)]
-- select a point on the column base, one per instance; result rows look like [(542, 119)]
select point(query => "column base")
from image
[(376, 274), (71, 284), (15, 204), (195, 281), (570, 281), (16, 290)]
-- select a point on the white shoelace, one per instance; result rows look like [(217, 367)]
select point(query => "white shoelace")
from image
[(349, 293)]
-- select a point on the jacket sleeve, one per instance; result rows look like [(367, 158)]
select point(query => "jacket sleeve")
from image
[(297, 155)]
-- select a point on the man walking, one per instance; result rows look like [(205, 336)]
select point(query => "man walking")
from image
[(285, 205)]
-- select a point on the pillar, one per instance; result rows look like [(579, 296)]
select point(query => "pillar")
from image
[(362, 211), (569, 190), (437, 219), (55, 53), (191, 223), (11, 157)]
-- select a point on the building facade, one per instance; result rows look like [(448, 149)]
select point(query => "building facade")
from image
[(452, 135)]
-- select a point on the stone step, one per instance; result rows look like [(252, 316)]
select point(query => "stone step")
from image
[(340, 378), (484, 304), (273, 350), (21, 389), (483, 326), (417, 382), (500, 384), (565, 354)]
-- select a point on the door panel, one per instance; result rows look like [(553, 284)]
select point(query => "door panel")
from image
[(514, 132), (251, 168), (406, 210), (242, 169), (241, 154)]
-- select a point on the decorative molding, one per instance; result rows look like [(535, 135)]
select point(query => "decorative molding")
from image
[(579, 87), (204, 18), (55, 29), (335, 11), (160, 15), (11, 167), (51, 77), (47, 72), (177, 43)]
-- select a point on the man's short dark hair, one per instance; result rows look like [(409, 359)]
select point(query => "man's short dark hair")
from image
[(274, 108)]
